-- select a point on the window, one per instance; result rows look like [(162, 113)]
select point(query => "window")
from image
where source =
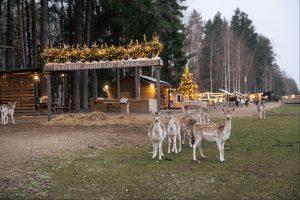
[(178, 98)]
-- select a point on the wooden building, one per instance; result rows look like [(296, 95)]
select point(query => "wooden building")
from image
[(21, 86), (147, 87), (145, 103)]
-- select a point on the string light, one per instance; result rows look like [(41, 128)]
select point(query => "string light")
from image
[(134, 50), (188, 88)]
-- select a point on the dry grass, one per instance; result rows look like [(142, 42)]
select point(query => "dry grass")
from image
[(98, 119)]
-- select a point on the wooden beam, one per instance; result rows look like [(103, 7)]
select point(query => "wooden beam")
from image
[(49, 100), (137, 83), (118, 94), (68, 66), (157, 76)]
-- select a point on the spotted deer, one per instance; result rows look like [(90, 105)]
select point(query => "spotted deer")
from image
[(187, 123), (212, 132), (173, 132), (261, 109), (157, 133), (202, 114)]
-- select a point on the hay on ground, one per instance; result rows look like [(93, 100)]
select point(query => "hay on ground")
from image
[(98, 119)]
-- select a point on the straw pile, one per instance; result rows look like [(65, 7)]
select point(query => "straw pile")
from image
[(98, 119)]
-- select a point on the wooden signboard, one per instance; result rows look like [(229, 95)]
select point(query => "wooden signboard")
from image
[(68, 66)]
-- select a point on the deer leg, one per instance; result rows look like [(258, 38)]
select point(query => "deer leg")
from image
[(260, 115), (154, 150), (174, 143), (200, 149), (220, 150), (184, 133), (12, 118), (194, 148), (179, 138), (264, 114), (160, 150), (169, 144), (190, 140)]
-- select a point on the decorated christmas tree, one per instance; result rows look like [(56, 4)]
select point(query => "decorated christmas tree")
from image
[(187, 87)]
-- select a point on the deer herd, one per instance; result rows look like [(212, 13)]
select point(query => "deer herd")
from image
[(195, 126)]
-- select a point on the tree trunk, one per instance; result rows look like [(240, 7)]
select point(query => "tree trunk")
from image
[(20, 28), (85, 73), (93, 73), (28, 34), (8, 36), (210, 65), (78, 38), (44, 24), (70, 22), (34, 37), (62, 22)]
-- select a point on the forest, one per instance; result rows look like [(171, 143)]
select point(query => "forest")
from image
[(222, 53)]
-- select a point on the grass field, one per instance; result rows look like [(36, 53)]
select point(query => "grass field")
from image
[(261, 162)]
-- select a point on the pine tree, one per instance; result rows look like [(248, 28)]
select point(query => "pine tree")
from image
[(187, 87)]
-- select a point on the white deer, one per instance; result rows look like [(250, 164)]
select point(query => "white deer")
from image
[(212, 132), (3, 111), (8, 109), (261, 109), (157, 133), (173, 132)]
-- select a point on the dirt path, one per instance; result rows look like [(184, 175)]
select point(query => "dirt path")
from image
[(29, 140)]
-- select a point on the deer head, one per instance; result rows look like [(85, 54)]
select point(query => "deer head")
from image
[(170, 114), (228, 114), (157, 116)]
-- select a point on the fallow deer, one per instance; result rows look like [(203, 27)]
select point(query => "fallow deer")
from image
[(8, 109), (187, 123), (212, 132), (173, 132), (157, 133), (261, 109)]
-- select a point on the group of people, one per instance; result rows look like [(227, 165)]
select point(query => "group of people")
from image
[(239, 100)]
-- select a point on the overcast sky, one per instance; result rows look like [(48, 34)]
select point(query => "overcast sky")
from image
[(278, 20)]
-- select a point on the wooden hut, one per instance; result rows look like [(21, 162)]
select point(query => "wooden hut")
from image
[(147, 87), (21, 86), (146, 101)]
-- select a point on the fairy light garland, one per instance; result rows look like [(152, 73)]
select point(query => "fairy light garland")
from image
[(134, 50), (187, 87)]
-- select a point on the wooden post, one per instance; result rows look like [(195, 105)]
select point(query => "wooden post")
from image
[(137, 83), (157, 76), (49, 100), (118, 95)]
